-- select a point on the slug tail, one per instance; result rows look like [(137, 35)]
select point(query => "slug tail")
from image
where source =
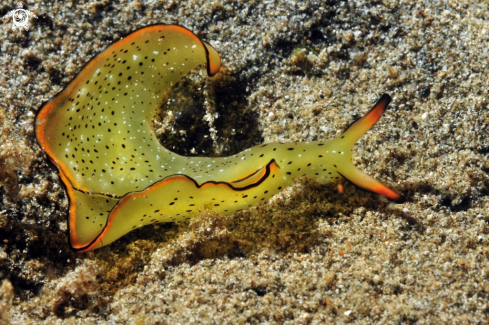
[(362, 180), (354, 132), (358, 128)]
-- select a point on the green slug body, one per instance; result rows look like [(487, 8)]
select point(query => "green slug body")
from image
[(118, 176)]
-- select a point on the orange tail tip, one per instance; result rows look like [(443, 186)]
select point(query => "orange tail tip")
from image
[(354, 132), (358, 128), (362, 180)]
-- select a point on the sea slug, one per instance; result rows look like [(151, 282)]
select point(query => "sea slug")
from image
[(97, 132)]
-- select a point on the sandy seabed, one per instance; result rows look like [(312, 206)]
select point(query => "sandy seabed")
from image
[(292, 71)]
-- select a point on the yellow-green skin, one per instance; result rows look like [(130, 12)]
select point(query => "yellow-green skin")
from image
[(97, 131)]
